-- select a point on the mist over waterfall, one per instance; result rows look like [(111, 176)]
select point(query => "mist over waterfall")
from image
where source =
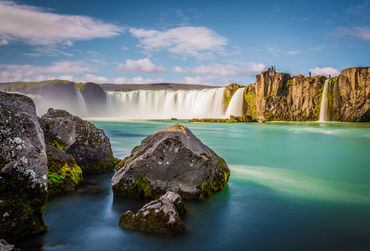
[(165, 104)]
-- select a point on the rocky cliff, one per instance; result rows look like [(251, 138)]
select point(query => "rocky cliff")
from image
[(349, 95), (280, 97)]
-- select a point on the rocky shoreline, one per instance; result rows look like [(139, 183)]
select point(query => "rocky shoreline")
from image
[(44, 156)]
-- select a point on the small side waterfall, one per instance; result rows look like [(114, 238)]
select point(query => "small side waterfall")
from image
[(324, 103), (235, 106), (82, 108)]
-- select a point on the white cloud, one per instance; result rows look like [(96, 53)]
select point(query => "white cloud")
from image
[(324, 71), (186, 41), (362, 33), (120, 80), (124, 48), (248, 69), (178, 69), (136, 80), (12, 73), (194, 80), (95, 79), (140, 65), (38, 26), (293, 52)]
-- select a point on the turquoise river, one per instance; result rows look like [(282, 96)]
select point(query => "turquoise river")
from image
[(293, 186)]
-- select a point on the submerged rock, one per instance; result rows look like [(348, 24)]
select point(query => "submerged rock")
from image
[(23, 168), (88, 145), (64, 173), (171, 160), (161, 216)]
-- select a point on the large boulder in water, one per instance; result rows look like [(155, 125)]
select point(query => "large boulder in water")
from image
[(23, 168), (88, 145), (161, 216), (171, 160), (64, 173)]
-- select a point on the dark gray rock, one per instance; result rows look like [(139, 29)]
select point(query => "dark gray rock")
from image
[(171, 160), (23, 168), (88, 145), (161, 216)]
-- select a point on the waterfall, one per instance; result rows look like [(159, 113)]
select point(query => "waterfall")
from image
[(82, 108), (235, 106), (165, 104), (324, 103)]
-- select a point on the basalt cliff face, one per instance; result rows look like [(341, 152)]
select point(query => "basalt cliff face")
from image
[(280, 97), (349, 95)]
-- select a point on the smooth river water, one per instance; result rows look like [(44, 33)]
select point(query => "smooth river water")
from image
[(293, 186)]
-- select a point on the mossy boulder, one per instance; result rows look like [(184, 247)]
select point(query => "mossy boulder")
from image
[(173, 159), (23, 168), (88, 145), (63, 172), (161, 216)]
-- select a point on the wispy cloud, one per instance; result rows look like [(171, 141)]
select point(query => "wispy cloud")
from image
[(38, 26), (247, 69), (185, 41), (324, 71), (12, 73), (362, 33), (140, 65), (136, 80), (295, 52)]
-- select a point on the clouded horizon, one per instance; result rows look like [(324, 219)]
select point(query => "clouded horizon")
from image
[(193, 42)]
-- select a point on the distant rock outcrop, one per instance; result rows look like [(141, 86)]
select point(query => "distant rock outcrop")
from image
[(161, 216), (23, 168), (277, 96), (94, 96), (229, 92), (171, 160), (88, 145)]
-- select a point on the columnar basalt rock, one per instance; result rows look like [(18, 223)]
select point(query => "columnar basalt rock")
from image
[(88, 145), (172, 159), (349, 95), (279, 97), (23, 168), (269, 91), (161, 216)]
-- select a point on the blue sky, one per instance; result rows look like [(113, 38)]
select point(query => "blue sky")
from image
[(195, 42)]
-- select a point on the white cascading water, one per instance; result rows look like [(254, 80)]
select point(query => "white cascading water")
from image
[(82, 107), (149, 104), (165, 104), (235, 106), (324, 103)]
